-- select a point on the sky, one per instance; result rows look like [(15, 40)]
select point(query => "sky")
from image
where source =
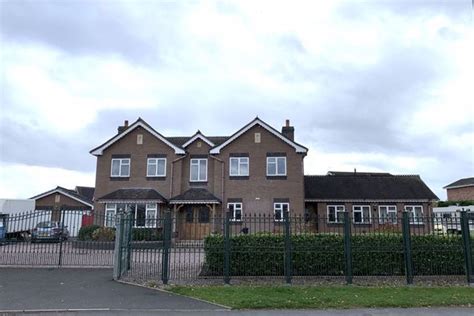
[(383, 86)]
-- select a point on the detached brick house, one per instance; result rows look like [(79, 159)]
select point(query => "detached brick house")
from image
[(461, 190), (258, 169)]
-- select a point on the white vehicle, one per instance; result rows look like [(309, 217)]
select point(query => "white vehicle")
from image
[(21, 217), (448, 219), (15, 206)]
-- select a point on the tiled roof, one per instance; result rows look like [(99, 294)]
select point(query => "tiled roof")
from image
[(71, 193), (465, 182), (134, 194), (366, 186), (86, 192), (195, 195), (181, 140)]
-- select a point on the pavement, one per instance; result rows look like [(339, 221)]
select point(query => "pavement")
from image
[(71, 289), (80, 291)]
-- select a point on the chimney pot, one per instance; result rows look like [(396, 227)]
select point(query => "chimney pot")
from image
[(125, 123), (287, 123)]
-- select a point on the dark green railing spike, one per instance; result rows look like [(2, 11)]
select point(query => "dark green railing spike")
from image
[(407, 247), (467, 247), (165, 261), (347, 248), (288, 272), (227, 248)]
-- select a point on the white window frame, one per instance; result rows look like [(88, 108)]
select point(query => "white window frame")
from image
[(337, 209), (154, 161), (389, 209), (278, 206), (149, 208), (360, 209), (240, 161), (275, 162), (110, 207), (236, 206), (413, 219), (197, 161), (122, 161)]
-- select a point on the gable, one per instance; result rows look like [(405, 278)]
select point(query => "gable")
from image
[(257, 122), (98, 151)]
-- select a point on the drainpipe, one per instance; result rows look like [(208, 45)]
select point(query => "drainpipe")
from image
[(171, 179), (222, 178)]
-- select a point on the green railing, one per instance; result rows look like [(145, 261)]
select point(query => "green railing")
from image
[(259, 246)]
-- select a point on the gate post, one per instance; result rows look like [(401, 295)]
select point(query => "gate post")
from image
[(347, 248), (288, 272), (466, 238), (227, 248), (165, 260), (61, 221), (119, 223), (407, 249)]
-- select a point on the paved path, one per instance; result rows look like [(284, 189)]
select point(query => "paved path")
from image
[(70, 288)]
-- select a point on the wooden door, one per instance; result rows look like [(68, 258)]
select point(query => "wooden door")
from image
[(195, 222)]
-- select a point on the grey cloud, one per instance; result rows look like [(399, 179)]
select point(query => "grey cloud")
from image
[(89, 27), (22, 144)]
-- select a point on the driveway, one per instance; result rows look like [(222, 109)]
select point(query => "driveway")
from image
[(25, 289)]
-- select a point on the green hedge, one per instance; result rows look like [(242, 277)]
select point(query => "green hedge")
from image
[(323, 254), (85, 232), (146, 234)]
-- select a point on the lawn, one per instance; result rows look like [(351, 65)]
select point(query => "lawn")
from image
[(295, 297)]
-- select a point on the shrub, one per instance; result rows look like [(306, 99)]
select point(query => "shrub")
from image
[(104, 234), (147, 234), (323, 254), (85, 233)]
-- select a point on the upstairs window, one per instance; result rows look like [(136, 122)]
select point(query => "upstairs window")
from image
[(276, 166), (239, 166), (279, 209), (120, 167), (387, 214), (235, 210), (336, 213), (156, 167), (361, 214), (198, 170)]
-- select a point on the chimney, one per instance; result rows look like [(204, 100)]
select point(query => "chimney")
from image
[(120, 129), (288, 131)]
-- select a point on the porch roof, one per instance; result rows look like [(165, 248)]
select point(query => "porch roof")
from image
[(134, 195), (195, 196)]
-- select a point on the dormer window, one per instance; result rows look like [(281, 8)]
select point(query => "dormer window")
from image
[(198, 170)]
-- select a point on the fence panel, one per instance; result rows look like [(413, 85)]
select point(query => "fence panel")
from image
[(55, 238)]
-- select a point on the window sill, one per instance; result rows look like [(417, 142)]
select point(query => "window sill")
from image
[(197, 182), (157, 178), (276, 177), (334, 224), (119, 178), (238, 177)]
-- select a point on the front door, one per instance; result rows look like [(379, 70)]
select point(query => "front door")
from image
[(195, 222)]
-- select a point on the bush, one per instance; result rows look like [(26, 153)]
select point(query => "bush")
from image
[(85, 233), (146, 234), (104, 234), (323, 254)]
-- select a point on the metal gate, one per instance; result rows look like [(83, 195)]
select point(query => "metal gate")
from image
[(56, 238)]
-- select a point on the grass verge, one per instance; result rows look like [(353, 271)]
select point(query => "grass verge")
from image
[(300, 297)]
